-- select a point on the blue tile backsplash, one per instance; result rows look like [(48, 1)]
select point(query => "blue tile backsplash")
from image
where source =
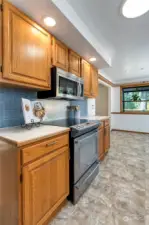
[(83, 106), (11, 109), (10, 105)]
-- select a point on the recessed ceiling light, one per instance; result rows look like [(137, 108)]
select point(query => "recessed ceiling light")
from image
[(135, 8), (92, 59), (49, 21)]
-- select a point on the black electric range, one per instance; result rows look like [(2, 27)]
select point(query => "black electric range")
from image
[(77, 126), (84, 148)]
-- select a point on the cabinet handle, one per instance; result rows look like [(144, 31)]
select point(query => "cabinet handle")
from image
[(52, 143)]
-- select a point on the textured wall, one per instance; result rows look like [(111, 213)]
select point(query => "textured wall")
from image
[(10, 105)]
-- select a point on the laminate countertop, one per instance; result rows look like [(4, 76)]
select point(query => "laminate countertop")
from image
[(101, 118), (21, 136)]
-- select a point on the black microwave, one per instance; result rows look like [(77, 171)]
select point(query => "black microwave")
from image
[(64, 85)]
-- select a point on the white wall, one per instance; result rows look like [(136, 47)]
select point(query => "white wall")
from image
[(102, 103), (115, 99), (126, 121), (91, 106)]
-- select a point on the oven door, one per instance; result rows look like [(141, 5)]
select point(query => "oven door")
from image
[(85, 153)]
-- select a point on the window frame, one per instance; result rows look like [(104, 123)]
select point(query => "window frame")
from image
[(121, 99)]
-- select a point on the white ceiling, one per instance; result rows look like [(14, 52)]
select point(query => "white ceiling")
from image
[(126, 41), (98, 30)]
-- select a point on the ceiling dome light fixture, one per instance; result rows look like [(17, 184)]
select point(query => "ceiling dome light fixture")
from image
[(135, 8), (92, 59), (49, 21)]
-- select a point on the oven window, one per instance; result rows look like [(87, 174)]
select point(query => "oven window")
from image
[(67, 86)]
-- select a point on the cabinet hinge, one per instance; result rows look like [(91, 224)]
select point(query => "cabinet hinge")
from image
[(21, 178), (1, 7), (1, 68)]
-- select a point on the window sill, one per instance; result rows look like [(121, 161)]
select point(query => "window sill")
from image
[(133, 112)]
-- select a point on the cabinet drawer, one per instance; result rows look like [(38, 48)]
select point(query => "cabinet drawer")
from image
[(35, 151), (107, 122)]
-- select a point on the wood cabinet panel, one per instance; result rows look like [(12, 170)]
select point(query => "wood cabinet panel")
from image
[(1, 43), (94, 82), (74, 63), (37, 150), (45, 186), (107, 123), (86, 74), (26, 49), (107, 138), (101, 144), (59, 54)]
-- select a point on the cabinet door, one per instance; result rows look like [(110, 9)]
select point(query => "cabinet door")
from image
[(45, 186), (101, 144), (74, 63), (26, 49), (94, 82), (59, 54), (107, 138), (86, 74)]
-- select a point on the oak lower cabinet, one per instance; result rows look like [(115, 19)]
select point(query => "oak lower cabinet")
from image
[(74, 63), (34, 179), (26, 51), (104, 139), (107, 138), (101, 142), (45, 186), (59, 54)]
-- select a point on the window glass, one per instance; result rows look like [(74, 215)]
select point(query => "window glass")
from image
[(136, 99)]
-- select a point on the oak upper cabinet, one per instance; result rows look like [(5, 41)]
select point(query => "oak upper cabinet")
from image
[(101, 142), (86, 74), (107, 136), (59, 54), (45, 186), (26, 50), (74, 63), (94, 82)]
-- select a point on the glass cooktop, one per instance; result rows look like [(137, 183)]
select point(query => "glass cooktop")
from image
[(65, 122)]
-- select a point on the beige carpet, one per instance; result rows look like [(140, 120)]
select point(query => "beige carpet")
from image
[(119, 195)]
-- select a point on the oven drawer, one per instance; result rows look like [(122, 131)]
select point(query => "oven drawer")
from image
[(85, 182), (37, 150)]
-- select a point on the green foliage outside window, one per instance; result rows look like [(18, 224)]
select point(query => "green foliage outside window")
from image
[(136, 99)]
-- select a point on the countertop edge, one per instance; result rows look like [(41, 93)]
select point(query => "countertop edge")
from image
[(30, 141)]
